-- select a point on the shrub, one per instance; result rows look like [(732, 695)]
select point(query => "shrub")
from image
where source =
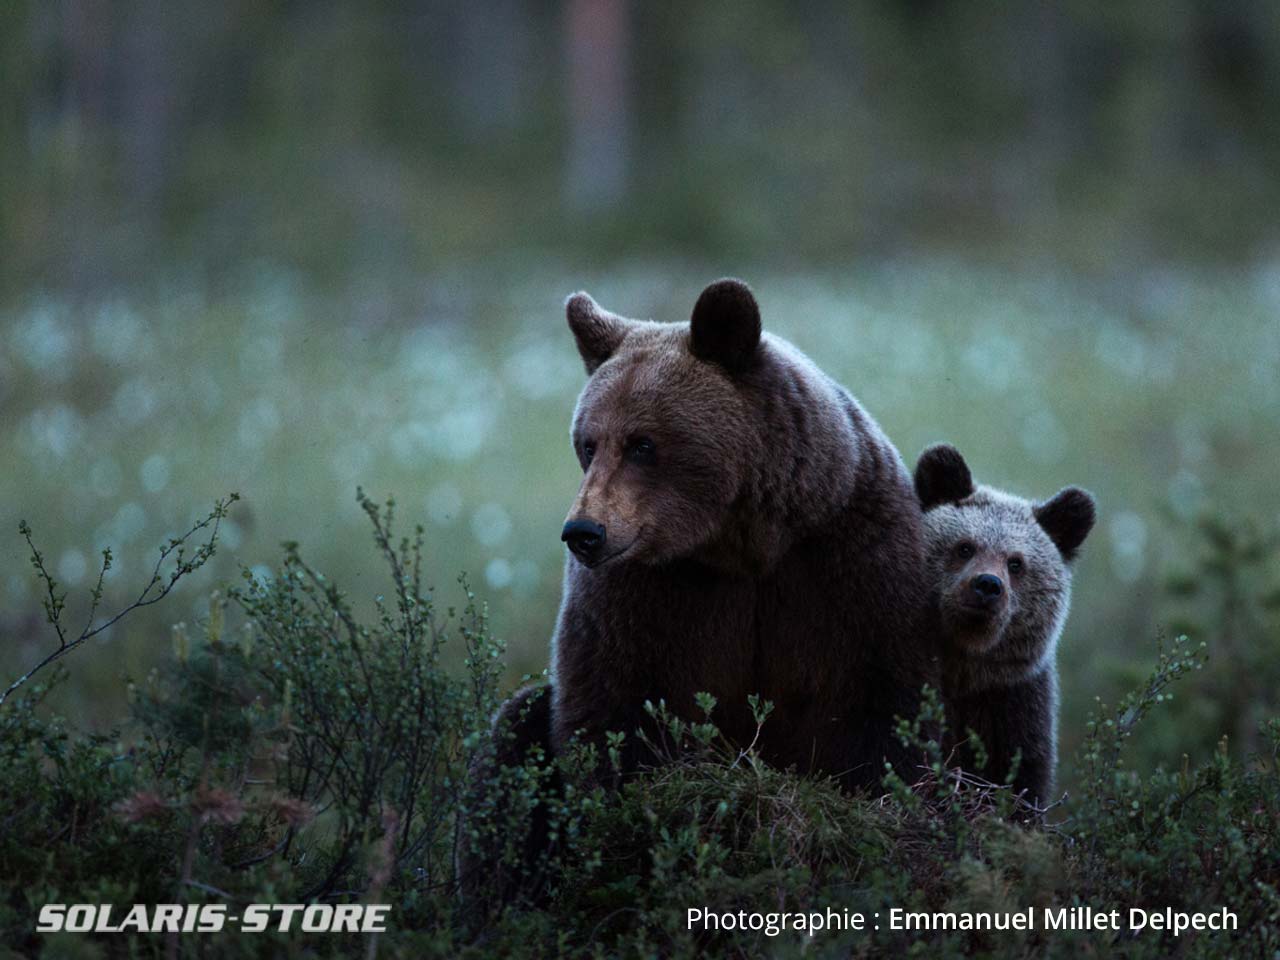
[(307, 755), (294, 749), (1226, 590)]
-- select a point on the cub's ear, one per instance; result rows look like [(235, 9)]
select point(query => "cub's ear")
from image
[(1067, 519), (597, 331), (725, 327), (942, 476)]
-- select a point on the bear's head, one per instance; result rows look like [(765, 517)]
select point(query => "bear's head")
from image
[(662, 429), (1001, 565)]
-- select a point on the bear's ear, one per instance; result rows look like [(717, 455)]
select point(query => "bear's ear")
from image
[(1067, 519), (597, 331), (942, 476), (725, 327)]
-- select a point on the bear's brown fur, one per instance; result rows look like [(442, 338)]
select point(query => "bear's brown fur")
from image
[(1000, 568), (743, 526)]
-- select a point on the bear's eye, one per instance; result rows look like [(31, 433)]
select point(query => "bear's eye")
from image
[(588, 451), (966, 550), (1015, 564), (641, 450)]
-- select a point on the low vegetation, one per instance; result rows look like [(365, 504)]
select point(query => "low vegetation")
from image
[(293, 749)]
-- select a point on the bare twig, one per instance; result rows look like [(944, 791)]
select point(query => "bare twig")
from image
[(209, 888), (157, 588)]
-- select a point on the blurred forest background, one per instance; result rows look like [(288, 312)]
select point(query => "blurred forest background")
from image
[(286, 249)]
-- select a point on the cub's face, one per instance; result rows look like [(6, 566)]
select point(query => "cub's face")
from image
[(661, 431), (994, 567), (1000, 564)]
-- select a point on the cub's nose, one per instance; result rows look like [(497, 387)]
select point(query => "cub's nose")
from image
[(585, 538), (987, 587)]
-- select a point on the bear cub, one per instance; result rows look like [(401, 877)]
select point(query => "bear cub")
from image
[(1000, 569)]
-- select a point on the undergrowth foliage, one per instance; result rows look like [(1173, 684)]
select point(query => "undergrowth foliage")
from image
[(299, 744)]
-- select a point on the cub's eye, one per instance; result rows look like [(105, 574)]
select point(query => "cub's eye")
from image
[(588, 452), (1015, 565), (641, 450), (966, 550)]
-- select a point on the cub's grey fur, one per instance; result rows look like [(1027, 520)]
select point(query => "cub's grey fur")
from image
[(1000, 567)]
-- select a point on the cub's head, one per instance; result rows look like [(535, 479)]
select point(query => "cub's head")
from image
[(1001, 565), (661, 429)]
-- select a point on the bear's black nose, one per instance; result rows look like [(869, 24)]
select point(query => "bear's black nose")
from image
[(987, 587), (585, 538)]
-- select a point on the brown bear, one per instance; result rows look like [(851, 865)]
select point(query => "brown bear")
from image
[(743, 526), (1000, 570)]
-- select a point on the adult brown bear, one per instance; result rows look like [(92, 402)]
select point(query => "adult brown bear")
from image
[(743, 526)]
